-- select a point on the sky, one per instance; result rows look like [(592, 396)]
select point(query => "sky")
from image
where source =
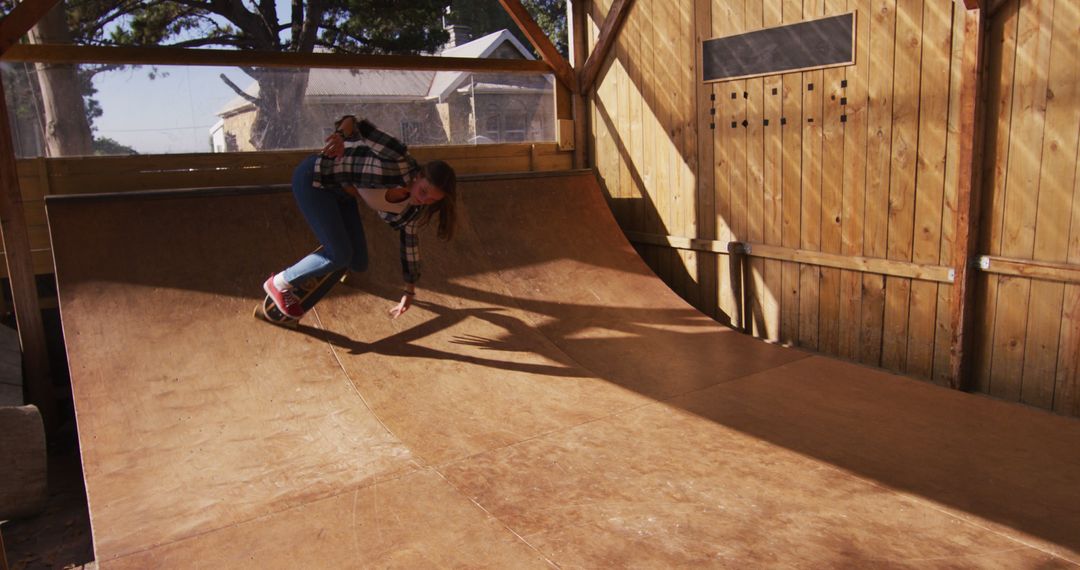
[(169, 114)]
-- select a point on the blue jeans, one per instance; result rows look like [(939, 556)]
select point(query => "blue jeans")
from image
[(333, 217)]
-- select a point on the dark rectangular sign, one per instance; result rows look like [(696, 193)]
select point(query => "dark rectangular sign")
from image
[(815, 44)]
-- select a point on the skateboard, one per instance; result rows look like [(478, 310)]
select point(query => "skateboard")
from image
[(310, 292)]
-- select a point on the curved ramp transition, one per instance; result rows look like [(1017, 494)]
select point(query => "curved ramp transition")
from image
[(548, 402)]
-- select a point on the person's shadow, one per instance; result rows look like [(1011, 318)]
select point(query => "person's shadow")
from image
[(403, 345)]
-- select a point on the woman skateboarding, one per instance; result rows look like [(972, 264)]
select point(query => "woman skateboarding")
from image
[(378, 171)]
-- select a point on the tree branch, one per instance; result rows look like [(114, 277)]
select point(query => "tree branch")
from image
[(250, 24), (253, 100), (110, 17), (309, 33), (230, 40), (268, 14)]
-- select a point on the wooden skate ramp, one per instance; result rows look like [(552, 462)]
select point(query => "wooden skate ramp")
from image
[(548, 402)]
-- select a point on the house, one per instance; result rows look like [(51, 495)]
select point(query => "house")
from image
[(418, 107)]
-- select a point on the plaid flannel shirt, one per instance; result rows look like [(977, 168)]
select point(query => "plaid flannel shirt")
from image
[(378, 161)]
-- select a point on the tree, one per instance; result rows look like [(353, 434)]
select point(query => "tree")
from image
[(486, 16), (67, 128), (344, 26)]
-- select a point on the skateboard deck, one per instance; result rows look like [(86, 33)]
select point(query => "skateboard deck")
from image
[(310, 292)]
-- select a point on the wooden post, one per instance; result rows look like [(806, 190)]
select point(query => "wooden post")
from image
[(967, 201), (20, 268), (575, 11)]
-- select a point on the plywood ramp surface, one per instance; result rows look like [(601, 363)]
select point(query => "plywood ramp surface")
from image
[(548, 402)]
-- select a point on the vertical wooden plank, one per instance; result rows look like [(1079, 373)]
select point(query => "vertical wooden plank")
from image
[(632, 34), (791, 201), (878, 163), (902, 177), (620, 116), (810, 275), (20, 270), (738, 141), (1055, 191), (650, 132), (705, 209), (772, 288), (1021, 193), (755, 175), (688, 163), (1067, 378), (960, 144), (662, 107), (677, 32), (1001, 67), (722, 142), (669, 174), (930, 176), (854, 191), (832, 196)]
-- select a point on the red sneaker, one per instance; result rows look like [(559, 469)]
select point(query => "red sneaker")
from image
[(285, 301)]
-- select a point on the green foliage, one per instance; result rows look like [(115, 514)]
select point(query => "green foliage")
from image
[(106, 146), (366, 26)]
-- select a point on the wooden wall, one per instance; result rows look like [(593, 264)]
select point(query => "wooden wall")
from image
[(56, 176), (848, 195), (1028, 332)]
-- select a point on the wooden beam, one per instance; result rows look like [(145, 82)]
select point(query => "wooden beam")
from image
[(19, 21), (1044, 270), (608, 32), (51, 53), (575, 30), (21, 274), (888, 267), (551, 56), (962, 312)]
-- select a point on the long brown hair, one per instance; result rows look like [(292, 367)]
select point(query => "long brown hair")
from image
[(442, 176)]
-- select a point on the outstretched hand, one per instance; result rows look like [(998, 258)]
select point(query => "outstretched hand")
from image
[(335, 146), (406, 302)]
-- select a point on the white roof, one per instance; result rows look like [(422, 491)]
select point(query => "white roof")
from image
[(481, 48)]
